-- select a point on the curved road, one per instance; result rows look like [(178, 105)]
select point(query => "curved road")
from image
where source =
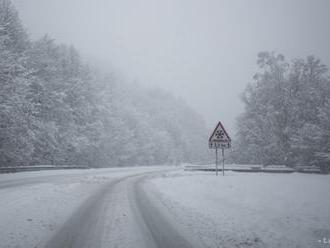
[(119, 214)]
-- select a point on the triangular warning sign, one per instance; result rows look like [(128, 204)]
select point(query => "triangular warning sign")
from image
[(219, 135)]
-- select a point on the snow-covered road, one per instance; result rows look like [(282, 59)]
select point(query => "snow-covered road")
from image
[(89, 208), (162, 207)]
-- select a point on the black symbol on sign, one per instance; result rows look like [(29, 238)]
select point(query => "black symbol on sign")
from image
[(219, 134)]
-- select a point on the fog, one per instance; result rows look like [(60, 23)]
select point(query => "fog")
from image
[(106, 111), (202, 51)]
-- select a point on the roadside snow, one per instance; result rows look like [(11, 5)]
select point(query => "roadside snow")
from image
[(249, 209)]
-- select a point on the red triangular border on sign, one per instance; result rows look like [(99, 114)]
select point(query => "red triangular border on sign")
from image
[(219, 124)]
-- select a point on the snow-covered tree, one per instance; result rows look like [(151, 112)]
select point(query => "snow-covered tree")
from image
[(55, 110), (15, 131), (285, 112)]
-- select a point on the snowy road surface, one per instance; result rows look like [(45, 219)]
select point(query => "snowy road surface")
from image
[(162, 207), (89, 208)]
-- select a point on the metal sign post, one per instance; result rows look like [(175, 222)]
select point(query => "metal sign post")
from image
[(216, 161), (219, 139), (223, 162)]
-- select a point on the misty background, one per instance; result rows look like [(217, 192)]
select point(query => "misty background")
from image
[(144, 82), (202, 51)]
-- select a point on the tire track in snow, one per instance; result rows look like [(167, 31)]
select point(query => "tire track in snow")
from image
[(153, 222), (120, 214), (82, 229)]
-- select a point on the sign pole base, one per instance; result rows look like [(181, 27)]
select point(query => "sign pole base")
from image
[(223, 162)]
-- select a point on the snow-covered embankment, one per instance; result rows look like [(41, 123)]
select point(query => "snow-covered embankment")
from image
[(249, 210)]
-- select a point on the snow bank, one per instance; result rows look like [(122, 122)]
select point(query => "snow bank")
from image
[(249, 210)]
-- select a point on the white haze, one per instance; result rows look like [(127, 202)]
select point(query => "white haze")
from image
[(201, 50)]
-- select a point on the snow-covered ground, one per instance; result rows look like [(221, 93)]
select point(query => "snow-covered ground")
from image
[(238, 210), (249, 209)]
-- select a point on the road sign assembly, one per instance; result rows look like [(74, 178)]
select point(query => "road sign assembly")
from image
[(219, 139)]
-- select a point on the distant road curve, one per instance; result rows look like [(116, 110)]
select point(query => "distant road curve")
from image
[(121, 215)]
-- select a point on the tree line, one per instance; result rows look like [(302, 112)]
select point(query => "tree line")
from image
[(287, 114), (55, 109)]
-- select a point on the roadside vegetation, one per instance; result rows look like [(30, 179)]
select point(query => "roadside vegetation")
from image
[(287, 114), (56, 110)]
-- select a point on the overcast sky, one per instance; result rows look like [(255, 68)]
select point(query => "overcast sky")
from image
[(202, 50)]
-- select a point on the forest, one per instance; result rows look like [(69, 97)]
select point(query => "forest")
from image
[(286, 119), (57, 110)]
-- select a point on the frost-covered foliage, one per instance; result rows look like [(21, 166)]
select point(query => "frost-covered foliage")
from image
[(55, 110), (287, 113)]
